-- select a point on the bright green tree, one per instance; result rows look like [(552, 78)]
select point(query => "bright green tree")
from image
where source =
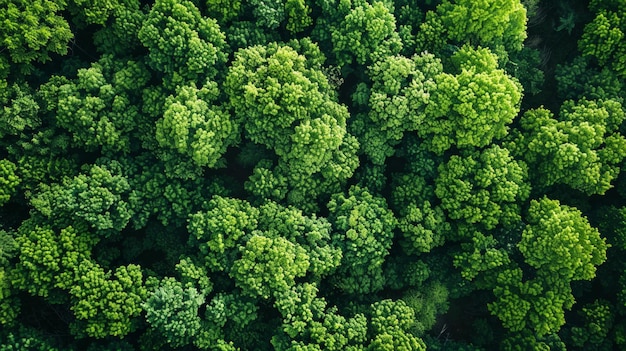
[(32, 31), (194, 128), (472, 107), (364, 228), (183, 45), (488, 23), (482, 189), (287, 105), (268, 266), (365, 35), (401, 89), (582, 148)]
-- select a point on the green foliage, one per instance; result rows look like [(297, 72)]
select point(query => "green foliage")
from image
[(106, 304), (309, 324), (193, 127), (32, 31), (312, 175), (391, 323), (364, 231), (558, 238), (473, 107), (579, 79), (99, 11), (219, 230), (287, 105), (121, 36), (365, 35), (26, 339), (182, 44), (400, 91), (582, 149), (172, 310), (99, 108), (603, 39), (526, 67), (8, 180), (97, 197), (561, 246), (269, 266), (223, 10), (598, 320), (9, 306), (487, 23), (482, 189), (19, 111)]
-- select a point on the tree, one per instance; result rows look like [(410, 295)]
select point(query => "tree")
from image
[(268, 266), (486, 23), (602, 38), (182, 45), (472, 107), (482, 190), (365, 35), (364, 229), (287, 105), (585, 139), (561, 246), (8, 180), (397, 100), (172, 310), (97, 197), (106, 303), (33, 31), (391, 323), (221, 229), (309, 323), (194, 127), (100, 107)]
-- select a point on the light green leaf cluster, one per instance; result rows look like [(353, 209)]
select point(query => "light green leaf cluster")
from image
[(483, 188), (401, 89), (287, 105), (269, 265), (106, 304), (364, 230), (310, 324), (194, 127), (473, 107), (391, 324), (487, 23), (582, 148), (181, 42), (365, 35), (221, 228), (31, 31), (8, 180), (559, 239), (263, 249)]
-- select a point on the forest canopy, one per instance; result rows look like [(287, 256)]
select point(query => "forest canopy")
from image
[(301, 175)]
